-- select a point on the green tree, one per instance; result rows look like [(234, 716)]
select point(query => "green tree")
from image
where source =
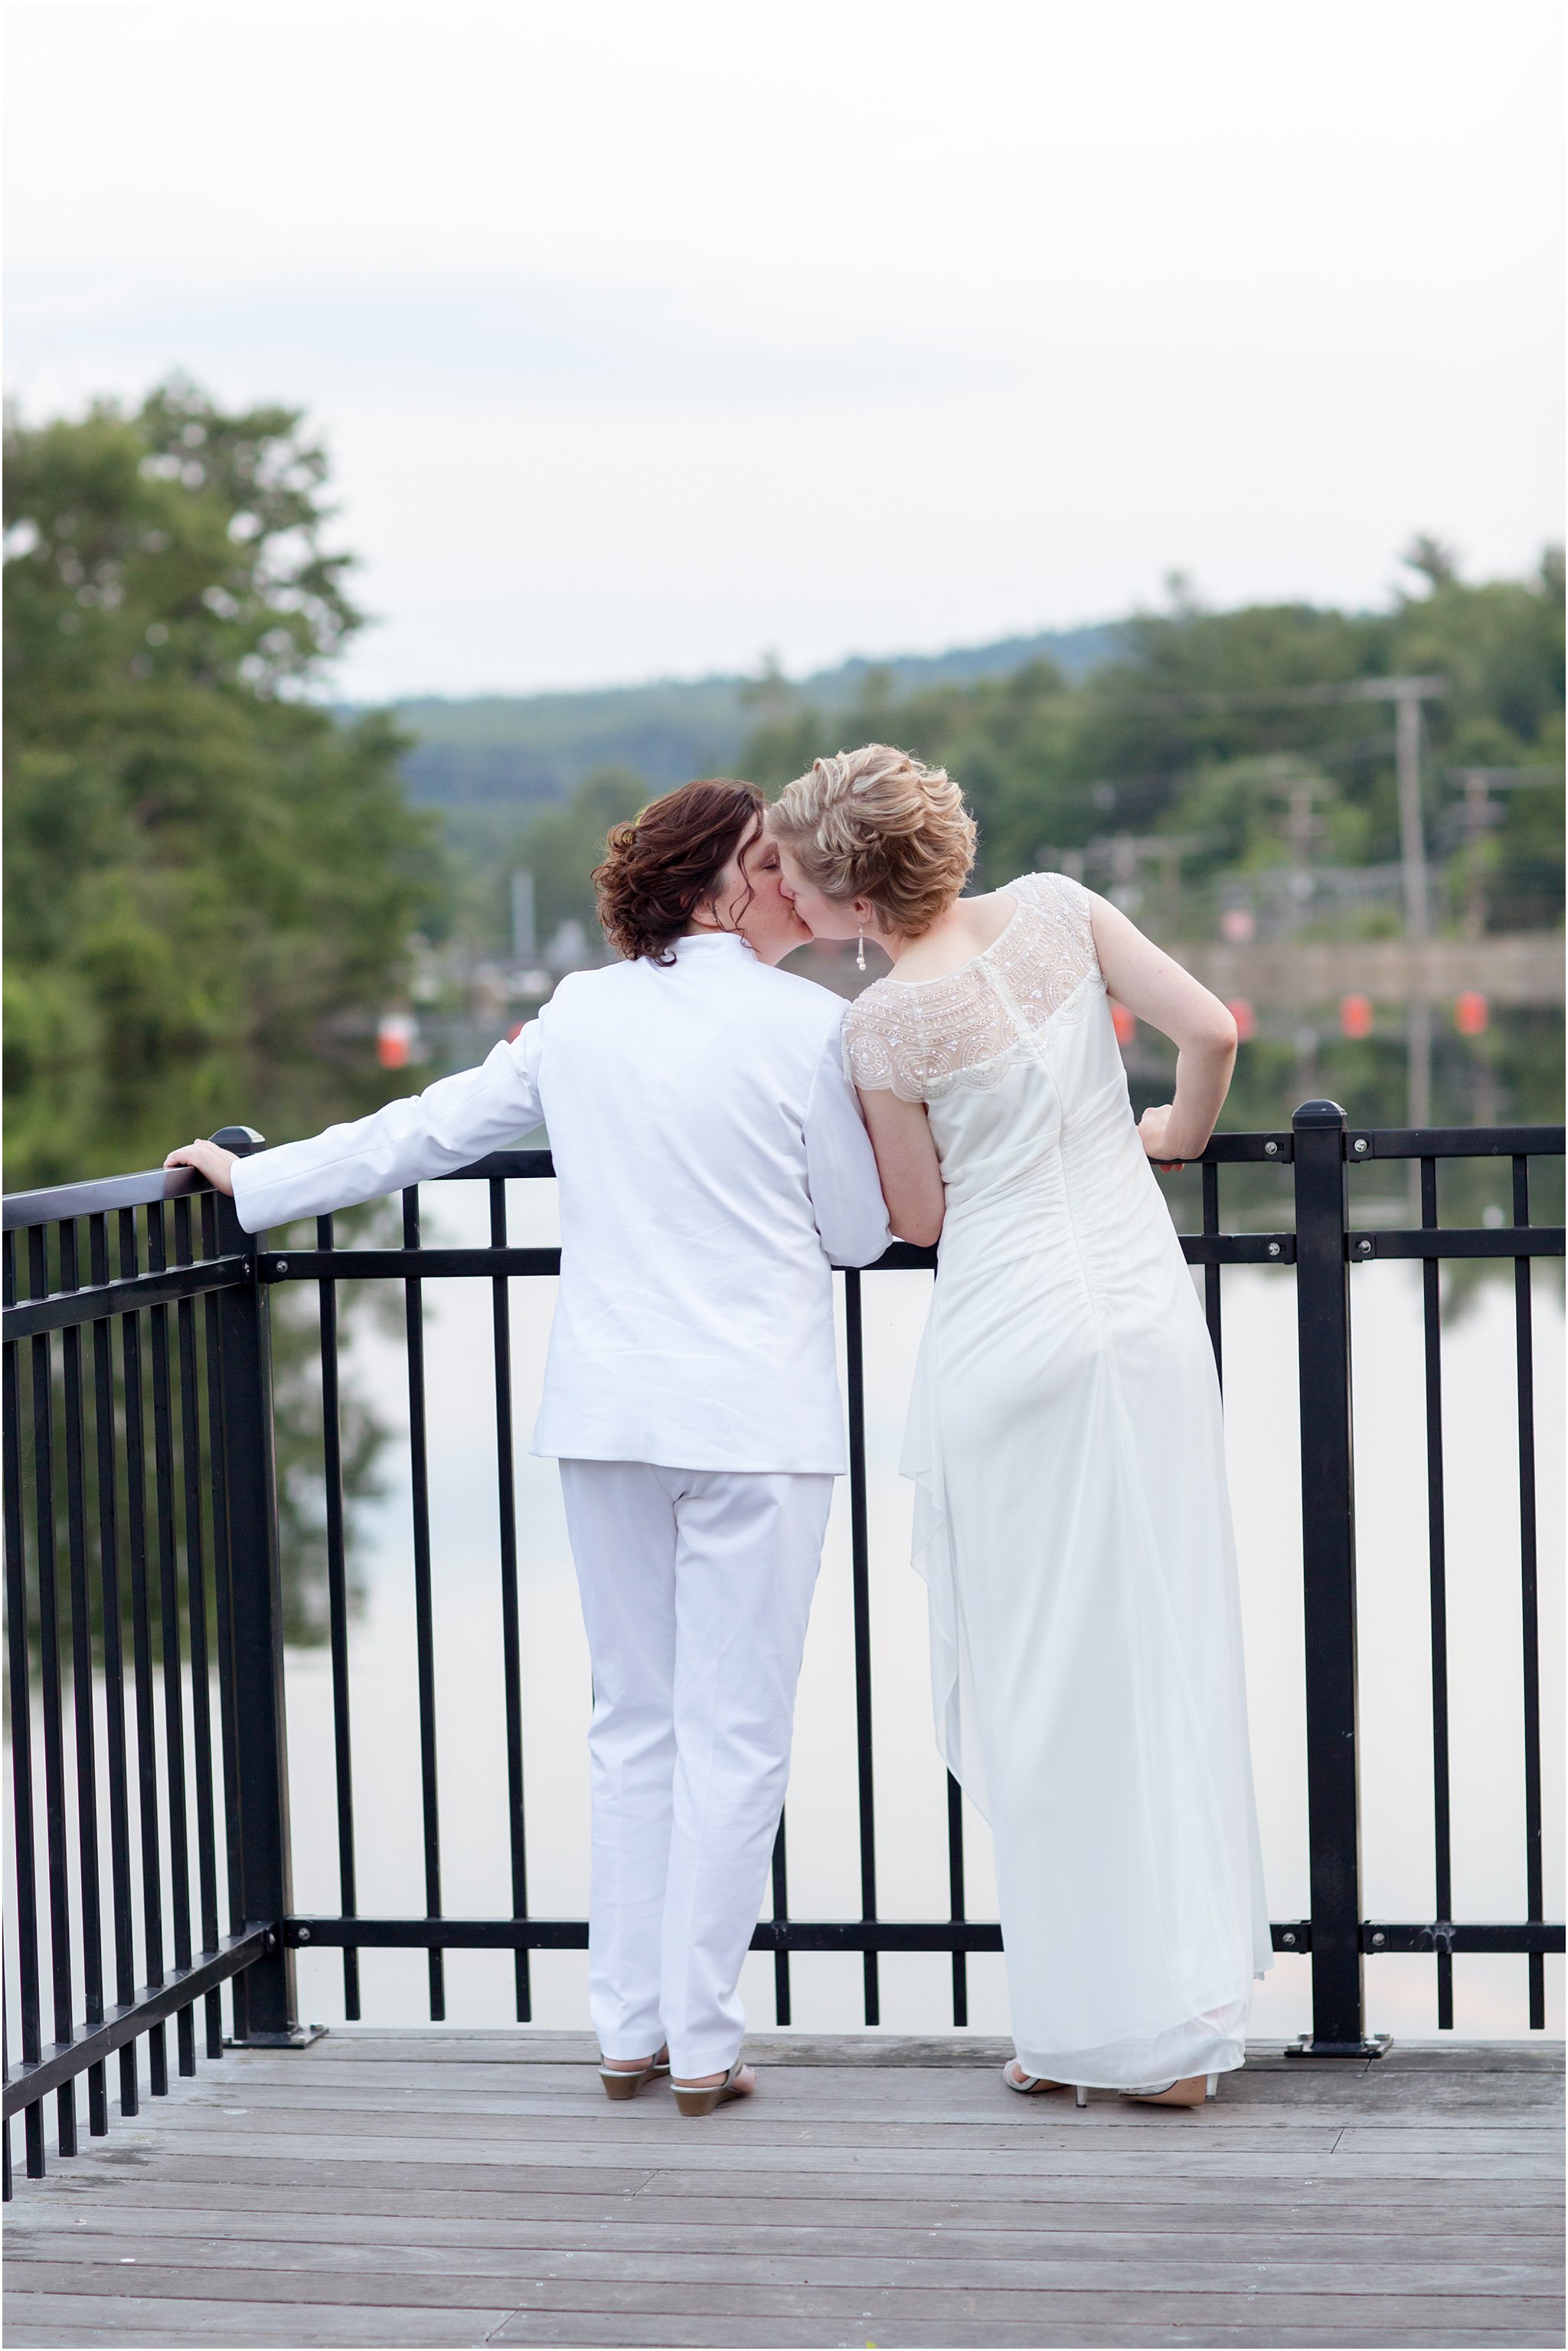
[(209, 882), (1199, 727)]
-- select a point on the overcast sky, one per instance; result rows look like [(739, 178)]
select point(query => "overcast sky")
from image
[(646, 338)]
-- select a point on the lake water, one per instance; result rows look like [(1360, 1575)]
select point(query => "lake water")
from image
[(1486, 1705)]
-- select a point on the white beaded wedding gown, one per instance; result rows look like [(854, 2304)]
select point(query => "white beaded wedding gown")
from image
[(1072, 1522)]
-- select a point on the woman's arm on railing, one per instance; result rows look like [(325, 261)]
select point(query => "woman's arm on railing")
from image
[(452, 1122), (1155, 988)]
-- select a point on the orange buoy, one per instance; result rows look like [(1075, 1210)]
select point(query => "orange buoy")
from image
[(395, 1033)]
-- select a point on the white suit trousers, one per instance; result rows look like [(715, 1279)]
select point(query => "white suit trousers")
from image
[(696, 1586)]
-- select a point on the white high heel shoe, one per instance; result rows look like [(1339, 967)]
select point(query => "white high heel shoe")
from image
[(1191, 2092), (1028, 2084)]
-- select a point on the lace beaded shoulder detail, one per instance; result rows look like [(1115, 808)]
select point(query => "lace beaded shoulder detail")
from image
[(920, 1039)]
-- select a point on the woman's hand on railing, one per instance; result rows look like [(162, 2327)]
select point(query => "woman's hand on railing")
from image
[(209, 1159), (1154, 1131)]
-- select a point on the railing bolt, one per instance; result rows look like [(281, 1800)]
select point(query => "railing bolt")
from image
[(305, 1934), (1289, 1942), (1271, 1151), (1363, 1249), (1361, 1143), (1378, 1940), (281, 1265), (1274, 1248)]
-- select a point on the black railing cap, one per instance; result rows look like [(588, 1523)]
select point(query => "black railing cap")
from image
[(1318, 1113), (56, 1202)]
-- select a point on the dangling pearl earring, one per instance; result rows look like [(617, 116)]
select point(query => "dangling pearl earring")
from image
[(860, 949)]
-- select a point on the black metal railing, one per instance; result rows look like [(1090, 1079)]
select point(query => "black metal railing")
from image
[(144, 1614)]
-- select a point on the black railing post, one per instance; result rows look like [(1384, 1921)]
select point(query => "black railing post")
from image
[(1328, 1572), (263, 1995)]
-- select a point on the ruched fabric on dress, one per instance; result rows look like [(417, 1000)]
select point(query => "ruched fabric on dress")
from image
[(1072, 1524)]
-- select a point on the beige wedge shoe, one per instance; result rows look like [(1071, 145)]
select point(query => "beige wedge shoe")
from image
[(702, 2097), (619, 2081)]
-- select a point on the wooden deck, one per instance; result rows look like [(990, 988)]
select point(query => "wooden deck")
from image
[(421, 2189)]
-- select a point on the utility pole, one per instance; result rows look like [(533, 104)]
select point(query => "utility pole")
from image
[(1476, 820), (1418, 908), (1408, 694), (1299, 786), (524, 943), (1478, 816), (1412, 832)]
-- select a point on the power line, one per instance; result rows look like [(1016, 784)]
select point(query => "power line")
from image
[(1361, 689)]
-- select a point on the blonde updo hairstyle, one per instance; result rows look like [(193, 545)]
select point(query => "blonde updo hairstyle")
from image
[(876, 823)]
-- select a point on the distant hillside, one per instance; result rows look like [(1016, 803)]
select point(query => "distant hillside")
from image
[(501, 751)]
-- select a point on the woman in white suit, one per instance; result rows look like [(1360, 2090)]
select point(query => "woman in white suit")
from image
[(713, 1165)]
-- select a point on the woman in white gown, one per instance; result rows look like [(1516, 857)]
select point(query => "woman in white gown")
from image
[(1072, 1521)]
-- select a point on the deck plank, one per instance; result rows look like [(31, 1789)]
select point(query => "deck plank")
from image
[(1100, 2184), (463, 2273), (72, 2320), (173, 2324), (1077, 2232), (725, 2156), (846, 2121)]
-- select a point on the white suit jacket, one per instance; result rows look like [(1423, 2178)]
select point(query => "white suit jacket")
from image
[(712, 1161)]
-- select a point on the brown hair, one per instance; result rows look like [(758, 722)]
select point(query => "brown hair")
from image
[(658, 869), (876, 823)]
